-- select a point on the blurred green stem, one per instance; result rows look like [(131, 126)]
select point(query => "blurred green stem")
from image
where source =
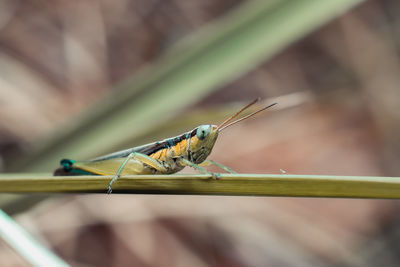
[(26, 245)]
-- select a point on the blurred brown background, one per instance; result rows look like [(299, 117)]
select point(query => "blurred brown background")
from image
[(339, 114)]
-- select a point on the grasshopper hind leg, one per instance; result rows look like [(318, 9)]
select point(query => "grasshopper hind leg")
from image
[(117, 175), (144, 159)]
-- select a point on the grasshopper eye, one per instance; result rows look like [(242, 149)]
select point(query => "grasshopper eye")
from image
[(203, 131)]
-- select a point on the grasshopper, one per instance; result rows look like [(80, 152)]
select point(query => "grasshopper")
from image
[(164, 157)]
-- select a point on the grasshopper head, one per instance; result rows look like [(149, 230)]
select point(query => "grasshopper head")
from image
[(203, 137), (202, 141)]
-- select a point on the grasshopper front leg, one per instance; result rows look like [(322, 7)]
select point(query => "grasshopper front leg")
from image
[(185, 162), (210, 162), (142, 158)]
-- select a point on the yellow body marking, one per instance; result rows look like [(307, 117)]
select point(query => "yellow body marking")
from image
[(177, 149), (163, 154), (156, 155), (194, 143)]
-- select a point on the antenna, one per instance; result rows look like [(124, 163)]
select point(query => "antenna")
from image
[(225, 124)]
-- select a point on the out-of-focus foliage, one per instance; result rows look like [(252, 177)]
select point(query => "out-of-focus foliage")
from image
[(23, 243), (190, 70)]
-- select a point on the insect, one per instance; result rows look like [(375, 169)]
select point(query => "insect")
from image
[(164, 157)]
